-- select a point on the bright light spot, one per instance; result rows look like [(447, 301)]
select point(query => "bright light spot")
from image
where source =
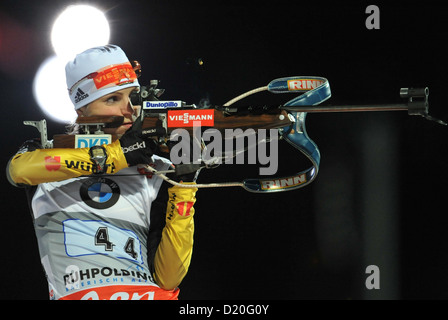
[(79, 27), (50, 90)]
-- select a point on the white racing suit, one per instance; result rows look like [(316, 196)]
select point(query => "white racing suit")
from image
[(109, 236)]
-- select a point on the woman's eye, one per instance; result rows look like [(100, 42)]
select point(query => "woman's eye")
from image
[(112, 99)]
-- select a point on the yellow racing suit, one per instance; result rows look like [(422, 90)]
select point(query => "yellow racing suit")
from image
[(124, 234)]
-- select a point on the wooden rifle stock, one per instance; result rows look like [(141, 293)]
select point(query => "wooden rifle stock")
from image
[(274, 118)]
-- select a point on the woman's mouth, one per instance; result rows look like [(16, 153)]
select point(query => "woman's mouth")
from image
[(127, 125)]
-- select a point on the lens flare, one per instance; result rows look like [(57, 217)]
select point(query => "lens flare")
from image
[(78, 28), (50, 90)]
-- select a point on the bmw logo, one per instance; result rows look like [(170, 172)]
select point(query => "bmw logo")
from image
[(99, 193)]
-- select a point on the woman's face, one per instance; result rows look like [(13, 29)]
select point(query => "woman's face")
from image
[(113, 104)]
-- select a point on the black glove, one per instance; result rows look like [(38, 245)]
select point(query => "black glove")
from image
[(137, 147), (186, 172)]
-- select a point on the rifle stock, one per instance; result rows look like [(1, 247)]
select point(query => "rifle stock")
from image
[(274, 118)]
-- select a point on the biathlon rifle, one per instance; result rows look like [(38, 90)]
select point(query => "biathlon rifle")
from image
[(163, 117)]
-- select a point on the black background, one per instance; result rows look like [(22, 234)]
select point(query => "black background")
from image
[(380, 196)]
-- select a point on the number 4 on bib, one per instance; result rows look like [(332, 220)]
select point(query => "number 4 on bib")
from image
[(102, 239)]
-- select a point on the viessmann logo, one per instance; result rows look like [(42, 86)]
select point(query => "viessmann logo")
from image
[(119, 74), (185, 118)]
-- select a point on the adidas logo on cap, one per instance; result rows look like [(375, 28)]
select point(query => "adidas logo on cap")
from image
[(80, 95)]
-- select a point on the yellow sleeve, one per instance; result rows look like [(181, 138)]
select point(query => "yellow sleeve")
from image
[(174, 252), (49, 165)]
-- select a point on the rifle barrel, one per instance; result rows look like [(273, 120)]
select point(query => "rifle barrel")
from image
[(349, 108)]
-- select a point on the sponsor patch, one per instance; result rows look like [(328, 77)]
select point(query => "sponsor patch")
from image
[(80, 95), (124, 292), (186, 118), (184, 208), (99, 193), (117, 74), (283, 183), (161, 104), (52, 163), (304, 84), (90, 140)]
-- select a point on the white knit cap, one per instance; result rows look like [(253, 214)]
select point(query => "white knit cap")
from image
[(97, 72)]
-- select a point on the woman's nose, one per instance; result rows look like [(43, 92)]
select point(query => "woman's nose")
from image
[(127, 108)]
